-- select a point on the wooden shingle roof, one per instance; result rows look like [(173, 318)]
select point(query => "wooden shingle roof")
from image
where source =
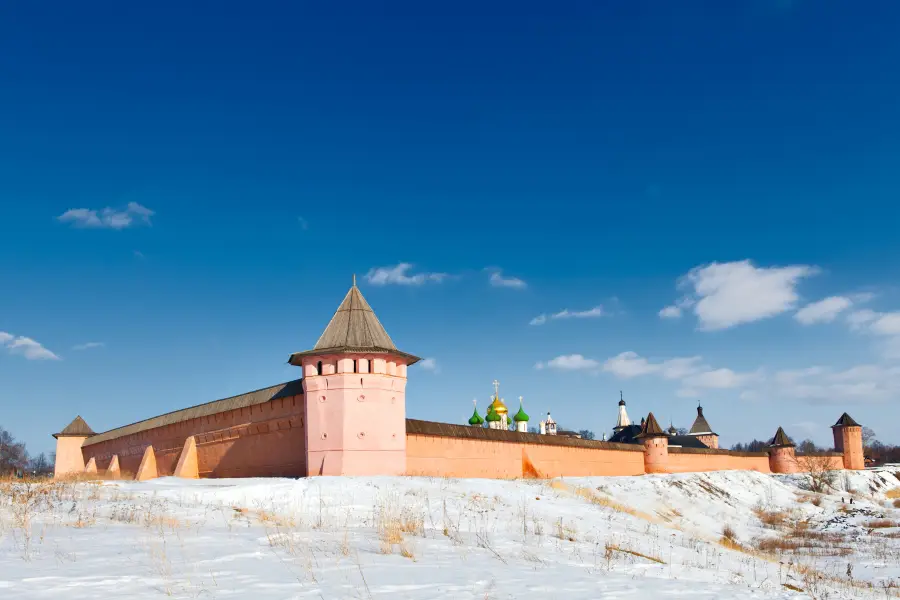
[(781, 439), (282, 390), (846, 421), (353, 328), (77, 428), (651, 428), (700, 425)]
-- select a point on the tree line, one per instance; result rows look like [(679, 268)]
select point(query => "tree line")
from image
[(14, 457)]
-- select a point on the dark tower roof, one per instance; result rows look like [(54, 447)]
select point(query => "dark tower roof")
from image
[(846, 421), (700, 425), (621, 399), (353, 328), (77, 428), (651, 428), (781, 439)]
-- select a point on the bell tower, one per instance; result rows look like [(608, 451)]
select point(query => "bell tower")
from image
[(354, 384)]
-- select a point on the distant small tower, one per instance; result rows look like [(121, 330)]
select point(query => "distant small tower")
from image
[(623, 421), (475, 420), (701, 429), (548, 426), (521, 418), (69, 459)]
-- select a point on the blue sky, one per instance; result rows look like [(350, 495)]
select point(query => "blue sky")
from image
[(186, 192)]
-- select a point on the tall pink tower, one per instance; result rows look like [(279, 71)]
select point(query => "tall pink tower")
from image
[(354, 384)]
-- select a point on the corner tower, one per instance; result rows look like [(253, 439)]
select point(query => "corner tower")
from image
[(848, 440), (69, 459), (354, 383)]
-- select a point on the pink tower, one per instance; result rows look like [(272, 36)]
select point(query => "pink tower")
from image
[(848, 439), (354, 383), (656, 446), (69, 459), (782, 458)]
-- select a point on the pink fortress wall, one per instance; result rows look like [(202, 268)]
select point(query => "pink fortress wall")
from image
[(263, 440), (692, 460), (443, 450)]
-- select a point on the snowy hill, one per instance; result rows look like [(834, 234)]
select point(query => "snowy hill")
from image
[(729, 534)]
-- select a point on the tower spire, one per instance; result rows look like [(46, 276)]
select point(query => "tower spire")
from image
[(354, 280)]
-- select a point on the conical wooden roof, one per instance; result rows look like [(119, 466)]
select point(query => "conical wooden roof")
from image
[(846, 421), (651, 428), (77, 428), (700, 424), (354, 328), (781, 439)]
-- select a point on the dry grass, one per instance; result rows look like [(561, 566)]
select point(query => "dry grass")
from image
[(393, 519), (774, 519), (894, 493), (881, 524), (596, 499), (610, 548)]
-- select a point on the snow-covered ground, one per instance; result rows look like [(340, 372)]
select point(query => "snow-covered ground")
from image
[(656, 536)]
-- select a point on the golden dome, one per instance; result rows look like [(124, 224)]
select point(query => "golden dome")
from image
[(498, 406)]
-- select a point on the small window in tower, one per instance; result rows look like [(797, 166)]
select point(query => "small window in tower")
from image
[(355, 366), (319, 368)]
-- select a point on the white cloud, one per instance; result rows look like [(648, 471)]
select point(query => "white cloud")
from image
[(729, 294), (823, 311), (570, 362), (429, 364), (860, 383), (629, 364), (498, 280), (592, 313), (718, 379), (670, 312), (26, 347), (88, 346), (108, 218), (398, 275), (693, 374), (886, 324)]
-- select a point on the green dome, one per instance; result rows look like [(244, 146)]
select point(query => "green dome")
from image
[(476, 419), (492, 415), (520, 416)]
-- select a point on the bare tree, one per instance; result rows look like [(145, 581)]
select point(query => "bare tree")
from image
[(820, 472), (40, 465), (13, 456), (807, 446), (868, 437)]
